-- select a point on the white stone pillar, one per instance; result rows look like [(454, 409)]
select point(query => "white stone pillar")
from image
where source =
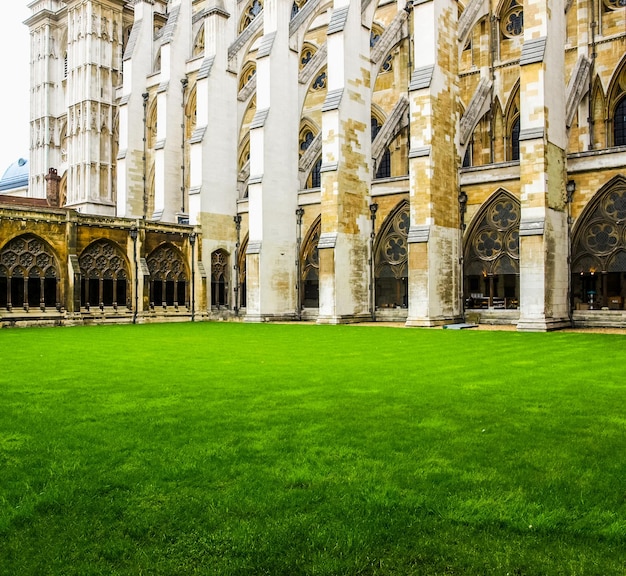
[(175, 48), (273, 184), (131, 162), (213, 145)]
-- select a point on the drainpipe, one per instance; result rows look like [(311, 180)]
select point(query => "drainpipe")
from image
[(183, 83), (133, 234), (237, 220), (299, 215), (192, 241), (145, 152), (373, 209), (590, 120)]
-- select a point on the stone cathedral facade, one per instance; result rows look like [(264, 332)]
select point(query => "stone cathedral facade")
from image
[(423, 161)]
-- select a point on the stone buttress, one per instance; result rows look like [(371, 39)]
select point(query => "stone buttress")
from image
[(271, 254), (435, 235), (543, 141), (346, 171)]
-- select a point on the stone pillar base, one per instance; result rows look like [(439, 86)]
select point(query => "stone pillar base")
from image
[(543, 324), (345, 319), (431, 322), (257, 318)]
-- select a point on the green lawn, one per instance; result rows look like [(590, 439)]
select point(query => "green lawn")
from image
[(223, 449)]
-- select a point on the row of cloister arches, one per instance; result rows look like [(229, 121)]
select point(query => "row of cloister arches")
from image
[(31, 275)]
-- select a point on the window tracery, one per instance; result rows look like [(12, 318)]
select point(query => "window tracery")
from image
[(104, 275), (241, 262), (614, 4), (599, 250), (319, 82), (219, 278), (619, 123), (168, 276), (391, 260), (310, 266), (308, 51), (296, 7), (375, 34), (198, 45), (248, 72), (252, 10), (315, 178), (28, 273), (512, 20), (492, 256)]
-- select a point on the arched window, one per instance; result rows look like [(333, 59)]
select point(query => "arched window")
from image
[(219, 278), (251, 11), (29, 274), (306, 138), (376, 126), (391, 260), (515, 139), (315, 178), (320, 81), (296, 7), (104, 275), (375, 34), (512, 20), (241, 261), (308, 50), (198, 44), (168, 277), (157, 62), (384, 166), (599, 252), (491, 276), (247, 73), (387, 65), (619, 123), (309, 258)]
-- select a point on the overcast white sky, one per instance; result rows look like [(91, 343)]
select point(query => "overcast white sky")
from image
[(14, 82)]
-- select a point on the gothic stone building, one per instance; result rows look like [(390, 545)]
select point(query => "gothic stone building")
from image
[(336, 160)]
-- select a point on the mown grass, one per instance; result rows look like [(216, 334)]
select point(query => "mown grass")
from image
[(229, 449)]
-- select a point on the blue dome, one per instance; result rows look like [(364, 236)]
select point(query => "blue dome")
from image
[(15, 176)]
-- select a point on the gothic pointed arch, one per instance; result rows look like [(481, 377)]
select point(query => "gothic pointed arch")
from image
[(169, 276), (29, 273), (250, 11), (511, 18), (241, 264), (198, 43), (598, 113), (310, 266), (219, 278), (306, 53), (243, 167), (191, 110), (512, 124), (599, 248), (105, 273), (248, 72), (320, 81), (391, 259), (491, 254), (616, 112), (296, 6)]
